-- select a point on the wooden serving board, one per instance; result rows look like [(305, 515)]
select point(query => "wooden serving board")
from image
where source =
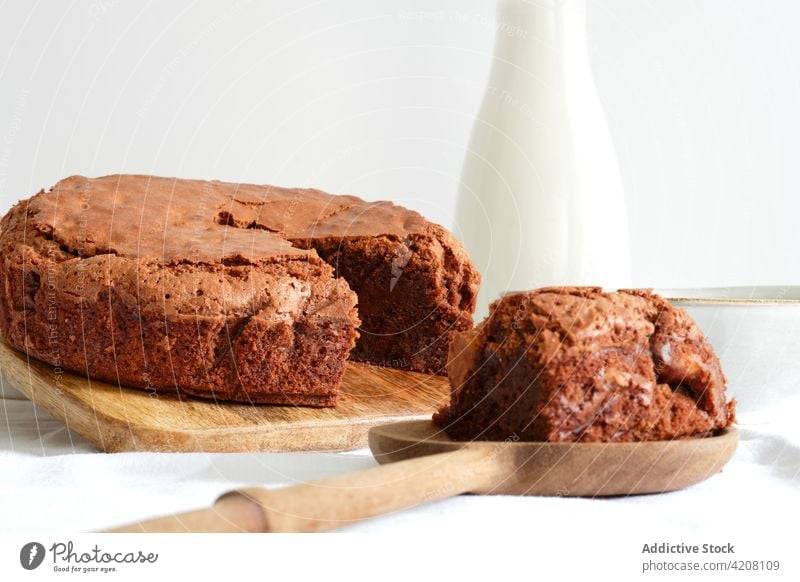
[(118, 419)]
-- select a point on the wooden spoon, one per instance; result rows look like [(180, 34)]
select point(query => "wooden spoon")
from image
[(420, 464)]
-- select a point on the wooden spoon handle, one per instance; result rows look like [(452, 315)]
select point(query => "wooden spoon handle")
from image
[(337, 501)]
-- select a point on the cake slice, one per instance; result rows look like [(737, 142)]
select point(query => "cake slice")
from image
[(576, 364)]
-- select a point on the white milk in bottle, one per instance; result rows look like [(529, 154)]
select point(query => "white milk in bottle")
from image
[(541, 200)]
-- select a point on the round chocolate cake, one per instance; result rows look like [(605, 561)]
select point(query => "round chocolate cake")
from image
[(228, 291)]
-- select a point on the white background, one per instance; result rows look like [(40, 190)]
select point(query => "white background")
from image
[(377, 99)]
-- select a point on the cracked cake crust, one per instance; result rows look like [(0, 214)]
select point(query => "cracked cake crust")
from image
[(575, 364), (218, 290)]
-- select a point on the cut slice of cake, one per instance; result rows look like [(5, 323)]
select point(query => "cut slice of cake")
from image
[(575, 364)]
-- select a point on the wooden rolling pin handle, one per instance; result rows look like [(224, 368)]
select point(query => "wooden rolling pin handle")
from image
[(230, 514), (341, 500)]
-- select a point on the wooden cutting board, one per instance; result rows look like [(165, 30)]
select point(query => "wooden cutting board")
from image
[(125, 419)]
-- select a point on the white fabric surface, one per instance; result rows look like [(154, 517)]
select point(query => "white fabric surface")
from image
[(53, 481)]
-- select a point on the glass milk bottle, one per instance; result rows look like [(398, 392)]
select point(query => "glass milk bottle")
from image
[(541, 200)]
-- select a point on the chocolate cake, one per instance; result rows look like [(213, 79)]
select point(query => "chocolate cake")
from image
[(576, 364), (414, 281), (227, 291)]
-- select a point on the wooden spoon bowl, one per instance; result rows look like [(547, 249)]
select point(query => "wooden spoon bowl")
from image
[(569, 469), (420, 464)]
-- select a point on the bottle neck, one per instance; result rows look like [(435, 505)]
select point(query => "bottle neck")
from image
[(541, 36)]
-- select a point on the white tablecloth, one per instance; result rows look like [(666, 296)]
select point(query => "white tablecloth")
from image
[(53, 481)]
